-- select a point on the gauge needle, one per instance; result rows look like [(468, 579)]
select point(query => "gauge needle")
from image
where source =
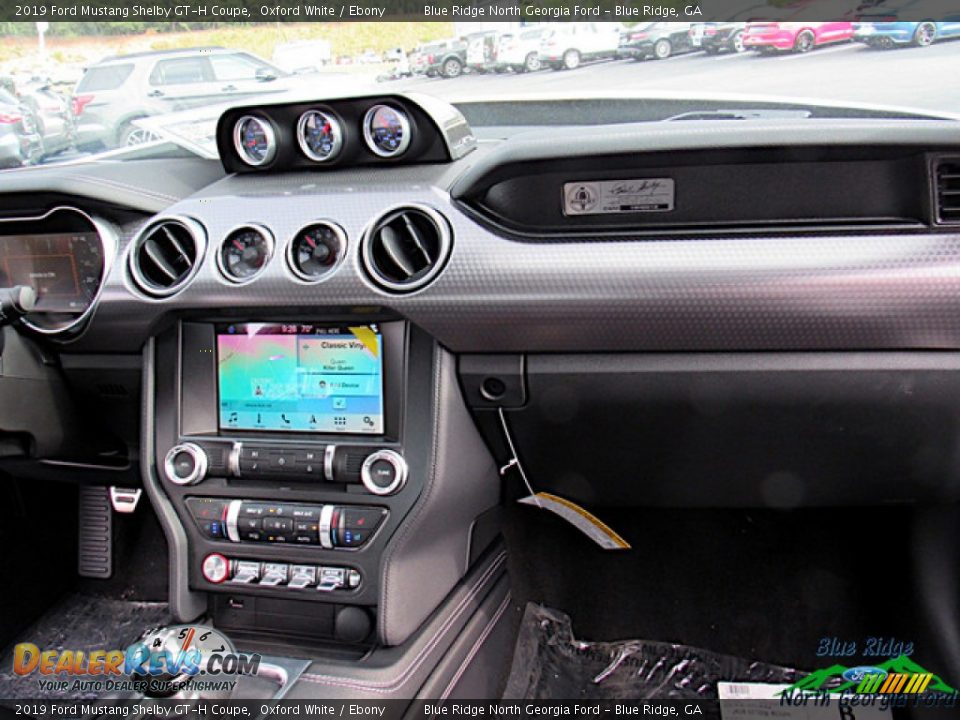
[(311, 242), (238, 245)]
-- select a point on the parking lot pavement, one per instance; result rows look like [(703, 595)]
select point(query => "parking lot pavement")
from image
[(920, 78)]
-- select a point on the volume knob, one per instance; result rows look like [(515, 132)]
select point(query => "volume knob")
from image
[(384, 472), (185, 464)]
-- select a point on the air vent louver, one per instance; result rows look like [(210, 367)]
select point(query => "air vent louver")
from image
[(406, 248), (166, 255), (948, 191)]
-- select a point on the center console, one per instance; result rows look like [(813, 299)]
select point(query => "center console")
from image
[(326, 495), (281, 447)]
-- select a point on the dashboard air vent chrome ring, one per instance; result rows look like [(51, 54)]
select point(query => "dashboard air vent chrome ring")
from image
[(166, 254), (406, 248)]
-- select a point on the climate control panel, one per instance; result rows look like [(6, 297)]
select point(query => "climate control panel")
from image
[(331, 527), (381, 471)]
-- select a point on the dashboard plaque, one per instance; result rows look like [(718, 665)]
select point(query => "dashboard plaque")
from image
[(640, 195)]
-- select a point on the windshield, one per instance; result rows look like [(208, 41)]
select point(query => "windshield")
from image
[(111, 86)]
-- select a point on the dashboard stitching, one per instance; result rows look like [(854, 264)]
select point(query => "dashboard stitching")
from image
[(386, 686), (476, 647), (423, 501)]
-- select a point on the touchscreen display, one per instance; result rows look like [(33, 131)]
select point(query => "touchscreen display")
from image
[(300, 378)]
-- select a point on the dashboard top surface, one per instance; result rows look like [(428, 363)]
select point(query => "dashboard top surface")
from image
[(839, 286)]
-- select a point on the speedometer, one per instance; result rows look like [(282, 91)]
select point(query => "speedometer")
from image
[(254, 140), (63, 256), (386, 131), (320, 135), (245, 252)]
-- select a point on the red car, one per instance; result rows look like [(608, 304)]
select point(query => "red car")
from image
[(796, 36)]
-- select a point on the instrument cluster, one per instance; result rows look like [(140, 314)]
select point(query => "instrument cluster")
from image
[(63, 257)]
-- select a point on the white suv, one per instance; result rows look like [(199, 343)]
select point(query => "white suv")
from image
[(565, 48)]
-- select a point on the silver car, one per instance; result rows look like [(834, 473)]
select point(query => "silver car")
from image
[(20, 143), (116, 91)]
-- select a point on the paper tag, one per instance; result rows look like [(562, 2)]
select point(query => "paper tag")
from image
[(761, 701), (583, 520), (641, 195)]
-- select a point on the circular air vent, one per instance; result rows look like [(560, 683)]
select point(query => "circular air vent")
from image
[(406, 248), (166, 254)]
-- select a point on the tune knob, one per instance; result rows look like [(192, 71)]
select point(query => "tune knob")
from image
[(384, 472), (185, 464)]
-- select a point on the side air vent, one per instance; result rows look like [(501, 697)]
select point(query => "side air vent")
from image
[(948, 190), (406, 248), (166, 254)]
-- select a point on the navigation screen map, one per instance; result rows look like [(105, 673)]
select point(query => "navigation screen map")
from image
[(300, 378)]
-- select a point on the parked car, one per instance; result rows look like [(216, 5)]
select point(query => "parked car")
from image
[(369, 57), (717, 37), (118, 90), (520, 51), (53, 113), (302, 56), (20, 143), (657, 40), (565, 47), (482, 51), (394, 55), (445, 58), (801, 37), (891, 34)]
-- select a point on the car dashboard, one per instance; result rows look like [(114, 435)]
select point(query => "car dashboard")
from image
[(696, 314)]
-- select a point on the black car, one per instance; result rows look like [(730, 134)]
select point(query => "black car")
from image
[(716, 37), (656, 40)]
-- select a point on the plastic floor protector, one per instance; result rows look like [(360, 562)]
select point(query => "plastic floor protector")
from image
[(79, 622), (549, 663)]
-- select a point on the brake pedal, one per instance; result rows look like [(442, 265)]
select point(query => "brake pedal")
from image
[(95, 536)]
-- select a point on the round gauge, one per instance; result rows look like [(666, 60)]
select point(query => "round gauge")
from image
[(254, 140), (245, 253), (386, 130), (320, 135), (316, 249)]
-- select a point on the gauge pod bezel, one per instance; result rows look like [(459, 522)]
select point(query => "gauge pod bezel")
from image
[(406, 127), (268, 131), (271, 247), (336, 128), (341, 235)]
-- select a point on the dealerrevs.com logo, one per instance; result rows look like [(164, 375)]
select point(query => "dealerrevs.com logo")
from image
[(163, 662)]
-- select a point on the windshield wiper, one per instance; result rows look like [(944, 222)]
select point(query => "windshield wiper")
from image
[(741, 114)]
